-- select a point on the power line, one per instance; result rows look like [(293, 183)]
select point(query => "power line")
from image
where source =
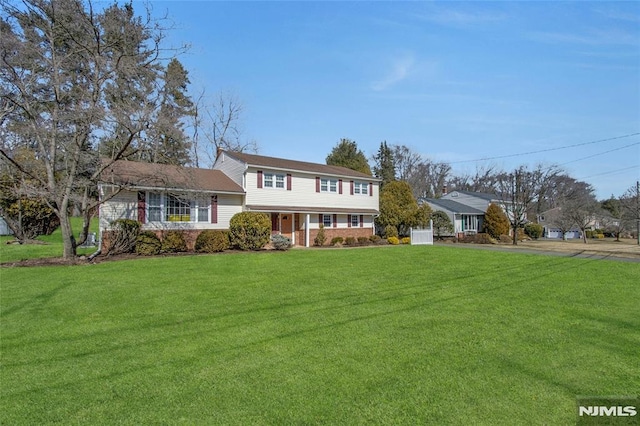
[(600, 153), (546, 150), (611, 172)]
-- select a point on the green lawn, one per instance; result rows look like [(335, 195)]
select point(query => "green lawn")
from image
[(381, 335), (52, 246)]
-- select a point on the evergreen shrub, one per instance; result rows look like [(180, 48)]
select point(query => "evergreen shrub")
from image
[(249, 230), (148, 243), (174, 242), (212, 241)]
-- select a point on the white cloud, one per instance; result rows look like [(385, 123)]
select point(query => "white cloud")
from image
[(401, 69)]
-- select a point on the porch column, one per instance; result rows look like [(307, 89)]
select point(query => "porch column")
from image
[(293, 229), (306, 230)]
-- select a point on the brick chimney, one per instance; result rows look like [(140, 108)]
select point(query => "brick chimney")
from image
[(444, 189)]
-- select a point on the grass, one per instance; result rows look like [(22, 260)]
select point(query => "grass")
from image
[(387, 335), (52, 246)]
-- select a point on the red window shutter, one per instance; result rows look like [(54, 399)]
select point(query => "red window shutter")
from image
[(142, 207), (361, 221), (259, 178), (317, 184), (370, 189), (348, 221), (320, 219), (335, 220), (351, 187), (340, 186), (214, 209), (288, 181)]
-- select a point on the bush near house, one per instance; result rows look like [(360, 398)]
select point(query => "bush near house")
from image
[(337, 240), (280, 242), (393, 241), (148, 243), (496, 222), (174, 242), (481, 238), (363, 241), (320, 238), (212, 241), (350, 241), (249, 230), (123, 237)]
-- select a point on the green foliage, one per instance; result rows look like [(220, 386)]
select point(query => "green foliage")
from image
[(496, 222), (406, 240), (346, 154), (399, 208), (29, 217), (374, 239), (384, 168), (442, 225), (320, 238), (174, 242), (123, 236), (534, 230), (337, 240), (249, 230), (212, 241), (363, 241), (390, 231), (280, 242), (148, 243), (350, 241), (393, 241)]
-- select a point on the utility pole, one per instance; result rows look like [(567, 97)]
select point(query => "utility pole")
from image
[(638, 210)]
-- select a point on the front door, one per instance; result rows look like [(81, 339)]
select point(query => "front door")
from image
[(286, 224)]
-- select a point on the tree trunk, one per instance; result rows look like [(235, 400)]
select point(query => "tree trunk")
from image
[(68, 240), (515, 236)]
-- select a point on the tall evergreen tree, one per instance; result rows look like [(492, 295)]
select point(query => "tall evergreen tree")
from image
[(347, 154), (384, 168)]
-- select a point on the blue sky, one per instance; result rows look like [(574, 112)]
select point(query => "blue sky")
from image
[(454, 81)]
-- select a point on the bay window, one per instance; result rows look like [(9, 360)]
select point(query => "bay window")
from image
[(163, 207)]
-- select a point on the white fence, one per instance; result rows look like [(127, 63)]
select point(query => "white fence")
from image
[(422, 236)]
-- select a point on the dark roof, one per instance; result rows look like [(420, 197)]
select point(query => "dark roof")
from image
[(280, 163), (482, 195), (453, 206), (164, 176), (295, 209)]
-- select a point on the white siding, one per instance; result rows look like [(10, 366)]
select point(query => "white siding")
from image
[(122, 206), (468, 200), (303, 193)]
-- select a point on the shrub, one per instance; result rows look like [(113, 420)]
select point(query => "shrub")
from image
[(320, 238), (534, 230), (406, 240), (173, 242), (148, 243), (363, 241), (350, 241), (374, 239), (249, 230), (393, 241), (496, 222), (506, 239), (280, 242), (390, 231), (28, 218), (212, 241), (123, 237), (337, 240), (478, 239)]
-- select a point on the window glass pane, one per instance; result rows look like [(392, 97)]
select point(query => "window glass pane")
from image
[(279, 181), (177, 210), (364, 188), (333, 186), (356, 188), (355, 220), (324, 185), (154, 207), (268, 180), (203, 214), (326, 220)]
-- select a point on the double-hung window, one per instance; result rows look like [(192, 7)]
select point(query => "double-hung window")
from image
[(360, 188), (273, 180), (154, 207), (177, 209), (355, 220), (328, 185), (327, 221)]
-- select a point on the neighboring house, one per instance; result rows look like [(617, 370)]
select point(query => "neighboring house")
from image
[(301, 196), (465, 219), (552, 222), (4, 228), (481, 201), (298, 196)]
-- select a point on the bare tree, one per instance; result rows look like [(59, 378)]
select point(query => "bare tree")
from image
[(217, 125), (583, 211), (71, 77), (427, 178), (485, 179), (630, 203), (517, 191)]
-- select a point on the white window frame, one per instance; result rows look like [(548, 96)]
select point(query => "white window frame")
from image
[(324, 220), (273, 180), (355, 220), (360, 188), (196, 207), (329, 185)]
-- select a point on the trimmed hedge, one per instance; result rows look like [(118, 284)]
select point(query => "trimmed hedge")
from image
[(249, 230), (174, 242), (212, 241), (148, 243)]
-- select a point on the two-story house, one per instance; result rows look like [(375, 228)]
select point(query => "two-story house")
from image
[(299, 197)]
